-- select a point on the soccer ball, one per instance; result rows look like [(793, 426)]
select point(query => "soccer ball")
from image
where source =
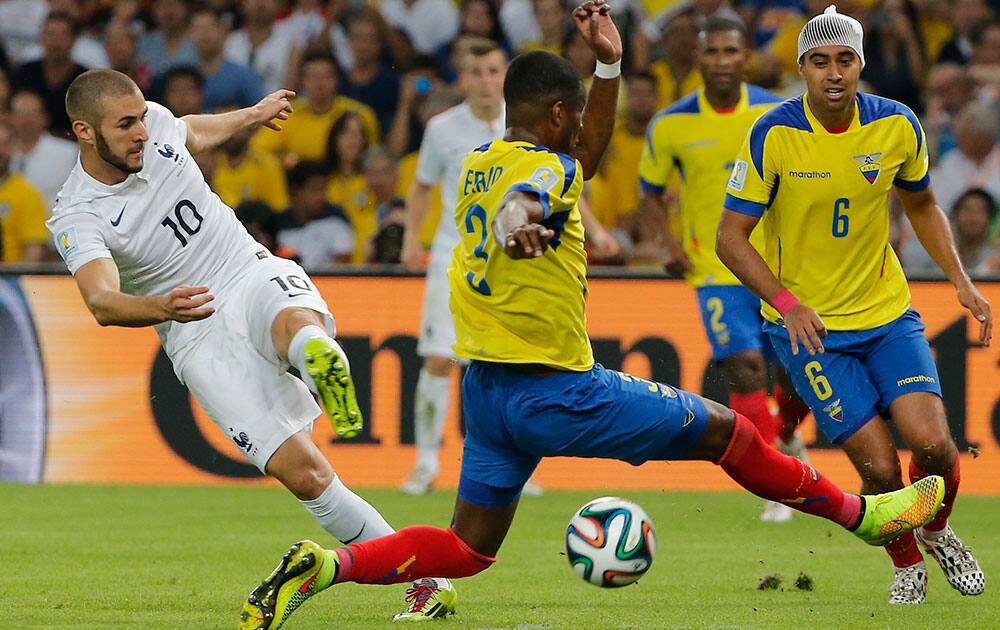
[(610, 542)]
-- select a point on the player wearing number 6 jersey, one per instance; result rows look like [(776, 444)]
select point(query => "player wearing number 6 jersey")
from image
[(532, 390), (146, 240), (817, 170)]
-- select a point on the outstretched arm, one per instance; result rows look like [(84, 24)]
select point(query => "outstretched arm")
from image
[(931, 227), (100, 286), (735, 251), (207, 131), (593, 20)]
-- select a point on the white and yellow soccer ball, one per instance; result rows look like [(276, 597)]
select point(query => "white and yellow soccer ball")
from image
[(610, 542)]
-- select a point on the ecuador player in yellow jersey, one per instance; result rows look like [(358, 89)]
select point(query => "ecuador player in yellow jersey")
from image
[(819, 170), (698, 137), (518, 286)]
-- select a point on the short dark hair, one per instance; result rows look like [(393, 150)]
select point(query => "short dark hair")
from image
[(184, 72), (62, 16), (537, 79), (642, 75), (321, 57), (991, 203), (722, 24), (304, 171), (86, 94)]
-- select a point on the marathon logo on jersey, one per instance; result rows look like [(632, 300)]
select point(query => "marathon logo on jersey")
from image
[(835, 411), (66, 242), (739, 176), (869, 165)]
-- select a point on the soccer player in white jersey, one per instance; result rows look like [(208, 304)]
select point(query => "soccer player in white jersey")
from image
[(150, 244), (448, 137), (817, 171)]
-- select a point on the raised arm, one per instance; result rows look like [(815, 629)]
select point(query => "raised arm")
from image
[(207, 131), (932, 229), (593, 20), (100, 287)]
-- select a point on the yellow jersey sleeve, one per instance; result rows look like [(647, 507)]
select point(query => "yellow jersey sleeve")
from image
[(754, 175), (555, 178), (914, 174), (657, 162)]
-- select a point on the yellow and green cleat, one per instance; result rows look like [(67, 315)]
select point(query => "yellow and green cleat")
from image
[(304, 571), (429, 598), (892, 514), (328, 368)]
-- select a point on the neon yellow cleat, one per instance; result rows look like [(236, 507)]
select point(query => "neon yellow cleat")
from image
[(305, 570), (429, 598), (892, 514), (328, 369)]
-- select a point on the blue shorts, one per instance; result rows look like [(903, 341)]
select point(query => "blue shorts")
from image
[(731, 314), (861, 373), (513, 419)]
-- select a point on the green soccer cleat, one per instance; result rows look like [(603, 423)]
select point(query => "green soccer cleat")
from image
[(892, 514), (328, 369), (305, 570), (429, 598)]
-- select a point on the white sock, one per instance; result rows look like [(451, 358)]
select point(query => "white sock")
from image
[(346, 516), (296, 351), (428, 416)]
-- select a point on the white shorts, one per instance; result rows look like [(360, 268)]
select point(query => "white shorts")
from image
[(437, 329), (234, 371)]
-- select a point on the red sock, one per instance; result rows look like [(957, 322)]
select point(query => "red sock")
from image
[(754, 406), (951, 480), (762, 470), (793, 410), (903, 551), (409, 554)]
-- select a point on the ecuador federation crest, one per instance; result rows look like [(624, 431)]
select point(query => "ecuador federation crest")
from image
[(835, 411), (869, 165)]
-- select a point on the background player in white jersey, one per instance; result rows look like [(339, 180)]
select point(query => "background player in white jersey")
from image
[(150, 244), (817, 172), (448, 137)]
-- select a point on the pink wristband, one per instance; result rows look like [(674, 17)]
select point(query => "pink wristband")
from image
[(784, 301)]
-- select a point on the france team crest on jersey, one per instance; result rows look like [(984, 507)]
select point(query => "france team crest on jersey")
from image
[(869, 165)]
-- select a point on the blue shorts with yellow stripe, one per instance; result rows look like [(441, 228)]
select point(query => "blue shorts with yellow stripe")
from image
[(513, 419), (860, 373), (731, 314)]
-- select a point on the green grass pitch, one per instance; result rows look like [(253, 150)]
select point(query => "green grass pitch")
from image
[(166, 557)]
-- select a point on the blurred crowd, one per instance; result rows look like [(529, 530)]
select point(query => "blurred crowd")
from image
[(329, 189)]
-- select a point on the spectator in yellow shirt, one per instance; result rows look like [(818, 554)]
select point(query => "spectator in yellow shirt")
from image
[(345, 149), (303, 134), (676, 74), (552, 17), (613, 194), (245, 173), (23, 236)]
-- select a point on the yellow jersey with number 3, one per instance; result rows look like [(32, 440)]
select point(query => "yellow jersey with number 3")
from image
[(529, 310), (824, 201), (700, 143)]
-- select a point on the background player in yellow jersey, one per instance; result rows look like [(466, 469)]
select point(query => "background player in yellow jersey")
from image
[(698, 136), (819, 169), (518, 290)]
